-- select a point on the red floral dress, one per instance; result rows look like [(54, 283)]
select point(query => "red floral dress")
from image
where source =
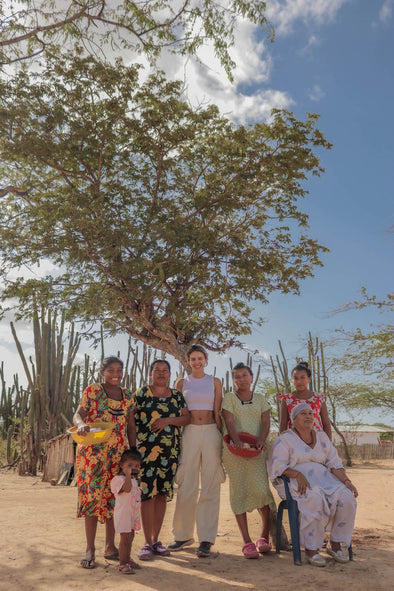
[(98, 464), (316, 402)]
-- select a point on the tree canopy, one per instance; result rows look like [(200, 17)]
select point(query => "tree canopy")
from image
[(29, 27), (159, 219)]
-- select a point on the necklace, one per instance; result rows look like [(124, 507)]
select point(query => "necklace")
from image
[(300, 436)]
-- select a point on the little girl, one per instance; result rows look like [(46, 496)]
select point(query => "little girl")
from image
[(127, 519), (301, 377)]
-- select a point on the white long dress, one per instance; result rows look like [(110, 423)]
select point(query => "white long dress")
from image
[(329, 505)]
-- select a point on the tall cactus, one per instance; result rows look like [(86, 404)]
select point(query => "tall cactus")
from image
[(49, 377)]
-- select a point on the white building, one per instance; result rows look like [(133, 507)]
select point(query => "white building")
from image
[(360, 434)]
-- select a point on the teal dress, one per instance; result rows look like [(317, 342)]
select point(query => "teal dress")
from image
[(249, 485)]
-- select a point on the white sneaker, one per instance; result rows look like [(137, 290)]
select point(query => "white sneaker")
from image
[(316, 560), (339, 556)]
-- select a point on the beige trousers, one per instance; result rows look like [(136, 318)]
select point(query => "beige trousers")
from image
[(201, 453)]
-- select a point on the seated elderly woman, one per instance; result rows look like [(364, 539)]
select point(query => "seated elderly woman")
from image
[(318, 482)]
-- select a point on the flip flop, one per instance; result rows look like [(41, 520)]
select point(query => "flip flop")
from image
[(263, 546), (114, 556), (88, 563), (134, 564), (249, 550)]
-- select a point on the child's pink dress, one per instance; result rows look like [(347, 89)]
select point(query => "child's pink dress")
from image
[(127, 513)]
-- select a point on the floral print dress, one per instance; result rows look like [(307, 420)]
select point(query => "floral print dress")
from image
[(98, 464), (315, 401), (160, 451)]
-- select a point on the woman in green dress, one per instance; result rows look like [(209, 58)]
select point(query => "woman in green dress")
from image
[(160, 412), (247, 411)]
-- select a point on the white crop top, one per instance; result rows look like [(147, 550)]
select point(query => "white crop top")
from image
[(199, 393)]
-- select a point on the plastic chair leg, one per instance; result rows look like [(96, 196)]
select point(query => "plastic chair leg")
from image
[(294, 531), (279, 519)]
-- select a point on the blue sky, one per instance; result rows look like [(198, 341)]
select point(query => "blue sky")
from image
[(333, 57)]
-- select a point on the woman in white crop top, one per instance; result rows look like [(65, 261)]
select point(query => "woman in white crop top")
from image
[(201, 454)]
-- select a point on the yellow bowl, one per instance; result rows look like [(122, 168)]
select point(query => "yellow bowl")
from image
[(93, 437)]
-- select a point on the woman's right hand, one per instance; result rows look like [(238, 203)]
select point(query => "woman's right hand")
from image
[(303, 483), (83, 429)]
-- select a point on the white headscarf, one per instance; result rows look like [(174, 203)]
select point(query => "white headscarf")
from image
[(301, 406)]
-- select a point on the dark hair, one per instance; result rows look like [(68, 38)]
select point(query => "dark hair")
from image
[(130, 454), (152, 365), (109, 361), (302, 366), (198, 348), (241, 365)]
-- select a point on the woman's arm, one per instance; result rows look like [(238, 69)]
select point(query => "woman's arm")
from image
[(264, 430), (343, 477), (302, 482), (325, 421), (131, 433), (217, 405), (231, 430), (284, 417), (159, 424), (79, 420)]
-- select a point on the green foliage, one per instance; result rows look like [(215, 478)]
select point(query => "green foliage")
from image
[(146, 26), (372, 352), (161, 220)]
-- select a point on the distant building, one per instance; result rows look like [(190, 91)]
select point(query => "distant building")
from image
[(360, 434)]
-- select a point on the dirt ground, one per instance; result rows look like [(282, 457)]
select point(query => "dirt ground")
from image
[(42, 542)]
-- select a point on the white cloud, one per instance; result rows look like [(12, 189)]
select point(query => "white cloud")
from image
[(285, 13), (385, 12), (316, 93)]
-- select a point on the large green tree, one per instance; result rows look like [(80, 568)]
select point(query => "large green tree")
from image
[(33, 27), (160, 220)]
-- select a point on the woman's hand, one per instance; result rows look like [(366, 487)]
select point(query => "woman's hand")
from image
[(159, 424), (83, 429), (349, 484), (237, 444), (303, 483), (260, 444)]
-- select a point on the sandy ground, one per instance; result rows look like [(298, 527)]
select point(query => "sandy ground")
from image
[(42, 542)]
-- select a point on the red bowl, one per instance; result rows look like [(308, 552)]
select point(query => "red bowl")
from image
[(245, 438)]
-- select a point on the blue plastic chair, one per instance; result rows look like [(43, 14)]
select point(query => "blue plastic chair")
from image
[(291, 505)]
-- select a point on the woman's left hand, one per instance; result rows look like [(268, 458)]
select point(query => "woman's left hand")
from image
[(159, 424), (260, 444), (351, 487)]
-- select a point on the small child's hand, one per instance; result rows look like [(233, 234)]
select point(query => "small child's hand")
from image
[(127, 470)]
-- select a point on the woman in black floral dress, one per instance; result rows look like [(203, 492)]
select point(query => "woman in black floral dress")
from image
[(159, 414)]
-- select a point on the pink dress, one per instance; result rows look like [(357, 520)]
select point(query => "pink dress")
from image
[(316, 402), (127, 513)]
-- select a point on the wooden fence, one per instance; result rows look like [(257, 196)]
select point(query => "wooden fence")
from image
[(368, 451)]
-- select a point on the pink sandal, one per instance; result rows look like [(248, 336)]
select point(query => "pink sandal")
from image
[(263, 546), (249, 550), (125, 569)]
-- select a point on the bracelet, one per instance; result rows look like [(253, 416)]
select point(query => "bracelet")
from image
[(347, 480)]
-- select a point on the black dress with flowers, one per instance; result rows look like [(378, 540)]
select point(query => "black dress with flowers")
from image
[(160, 451)]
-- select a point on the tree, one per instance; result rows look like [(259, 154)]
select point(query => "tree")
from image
[(372, 352), (29, 28), (161, 220)]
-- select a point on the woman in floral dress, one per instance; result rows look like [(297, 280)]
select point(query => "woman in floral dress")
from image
[(98, 464), (301, 376), (159, 413)]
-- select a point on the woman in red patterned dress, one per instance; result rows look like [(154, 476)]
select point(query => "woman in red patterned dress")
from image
[(301, 377), (98, 464)]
